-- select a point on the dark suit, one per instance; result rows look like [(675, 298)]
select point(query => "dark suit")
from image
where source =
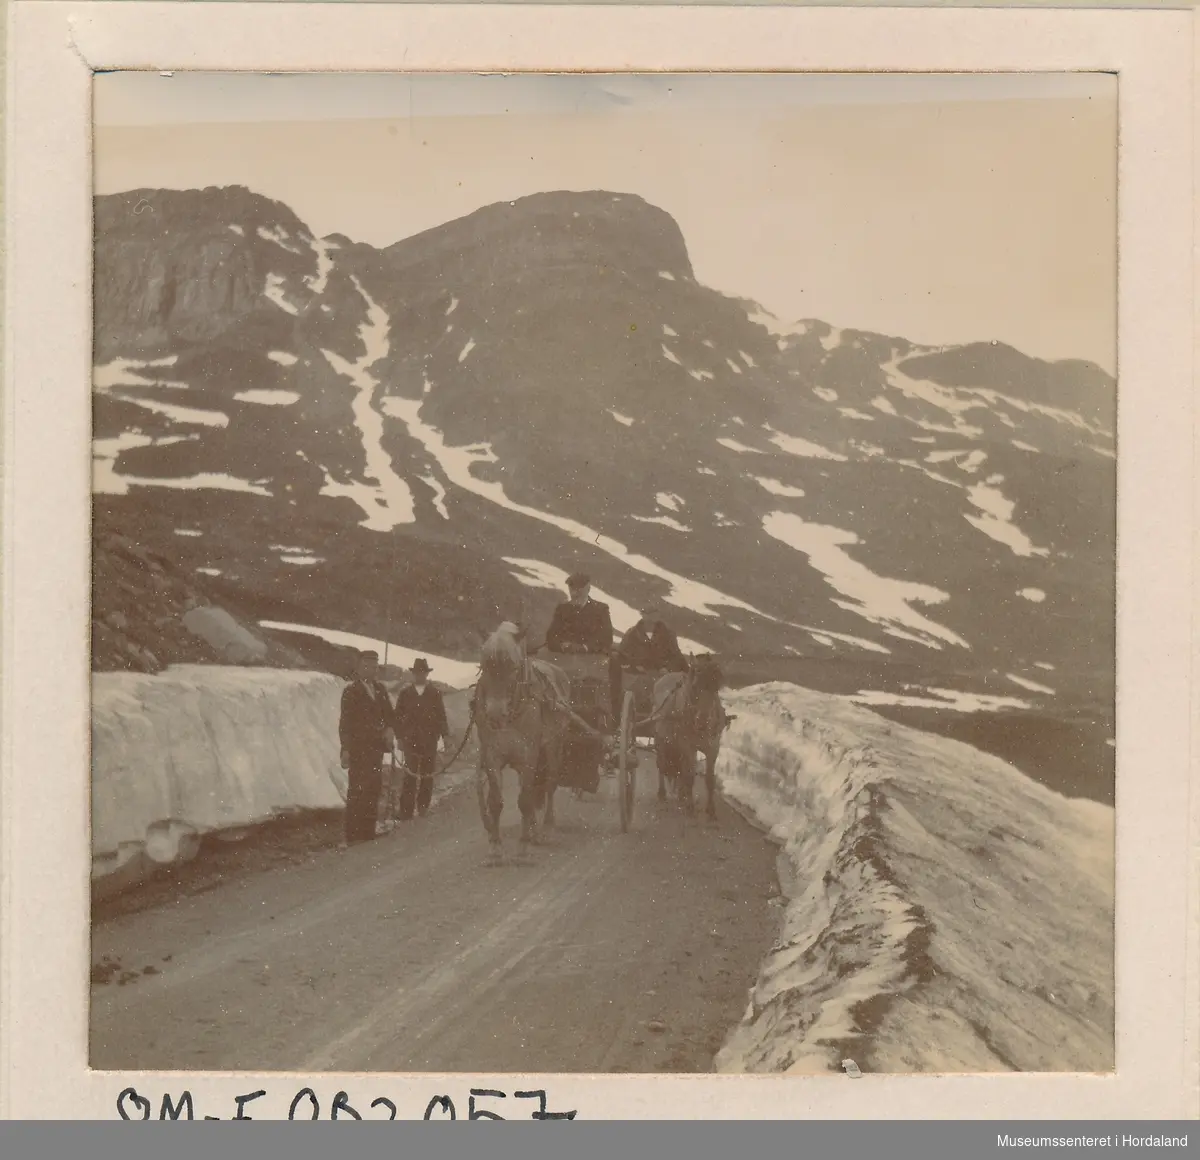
[(361, 730), (588, 628), (420, 723), (652, 645)]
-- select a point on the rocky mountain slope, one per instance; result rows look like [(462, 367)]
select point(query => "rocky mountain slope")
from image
[(433, 434)]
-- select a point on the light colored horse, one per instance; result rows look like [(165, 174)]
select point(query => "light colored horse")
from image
[(690, 720), (520, 716)]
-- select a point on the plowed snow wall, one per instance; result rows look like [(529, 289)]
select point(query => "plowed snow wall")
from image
[(198, 749)]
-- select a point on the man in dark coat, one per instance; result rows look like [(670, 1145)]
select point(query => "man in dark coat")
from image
[(580, 624), (421, 727), (651, 644), (584, 625), (365, 732)]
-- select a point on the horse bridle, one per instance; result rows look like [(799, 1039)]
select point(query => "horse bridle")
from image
[(521, 695)]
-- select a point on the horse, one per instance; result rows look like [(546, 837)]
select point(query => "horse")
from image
[(519, 708), (689, 718)]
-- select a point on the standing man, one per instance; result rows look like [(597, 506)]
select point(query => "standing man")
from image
[(421, 729), (365, 732)]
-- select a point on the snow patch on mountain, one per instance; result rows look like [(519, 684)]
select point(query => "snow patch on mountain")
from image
[(624, 420), (456, 463), (882, 601), (274, 291), (996, 522), (964, 460), (280, 237), (317, 282), (127, 372), (106, 480), (388, 501), (804, 448), (776, 488), (268, 397), (740, 448), (953, 699), (439, 495), (1060, 415), (456, 674), (665, 521), (1032, 686), (189, 416)]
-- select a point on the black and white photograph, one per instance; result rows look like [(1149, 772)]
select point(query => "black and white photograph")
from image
[(604, 573)]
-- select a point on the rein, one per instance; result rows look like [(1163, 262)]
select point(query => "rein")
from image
[(457, 752)]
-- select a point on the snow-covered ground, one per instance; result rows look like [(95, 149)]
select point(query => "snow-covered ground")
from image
[(203, 748), (944, 912)]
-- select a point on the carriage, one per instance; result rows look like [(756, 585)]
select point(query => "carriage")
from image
[(595, 733)]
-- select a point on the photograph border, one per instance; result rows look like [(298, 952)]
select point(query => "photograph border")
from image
[(54, 50)]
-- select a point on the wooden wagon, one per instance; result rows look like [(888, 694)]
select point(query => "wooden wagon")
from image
[(589, 736), (595, 731)]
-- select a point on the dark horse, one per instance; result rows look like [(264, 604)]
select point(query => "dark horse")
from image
[(690, 719), (522, 721)]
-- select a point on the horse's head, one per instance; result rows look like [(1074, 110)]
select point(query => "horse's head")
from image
[(703, 697), (501, 668), (705, 673)]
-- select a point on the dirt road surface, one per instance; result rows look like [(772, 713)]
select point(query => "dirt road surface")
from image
[(597, 952)]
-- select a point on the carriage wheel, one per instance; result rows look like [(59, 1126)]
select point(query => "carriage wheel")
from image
[(629, 763)]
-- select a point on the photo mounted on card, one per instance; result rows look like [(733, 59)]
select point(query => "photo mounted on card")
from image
[(604, 573)]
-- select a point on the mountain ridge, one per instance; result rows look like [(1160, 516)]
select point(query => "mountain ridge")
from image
[(448, 425)]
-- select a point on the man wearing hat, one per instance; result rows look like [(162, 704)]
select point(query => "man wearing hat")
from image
[(651, 644), (421, 727), (365, 733), (580, 624), (584, 625)]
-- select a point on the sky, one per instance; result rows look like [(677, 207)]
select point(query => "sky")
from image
[(944, 209)]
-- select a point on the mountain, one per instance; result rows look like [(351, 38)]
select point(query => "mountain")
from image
[(433, 434)]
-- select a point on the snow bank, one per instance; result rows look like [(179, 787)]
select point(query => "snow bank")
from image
[(944, 912), (200, 748)]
